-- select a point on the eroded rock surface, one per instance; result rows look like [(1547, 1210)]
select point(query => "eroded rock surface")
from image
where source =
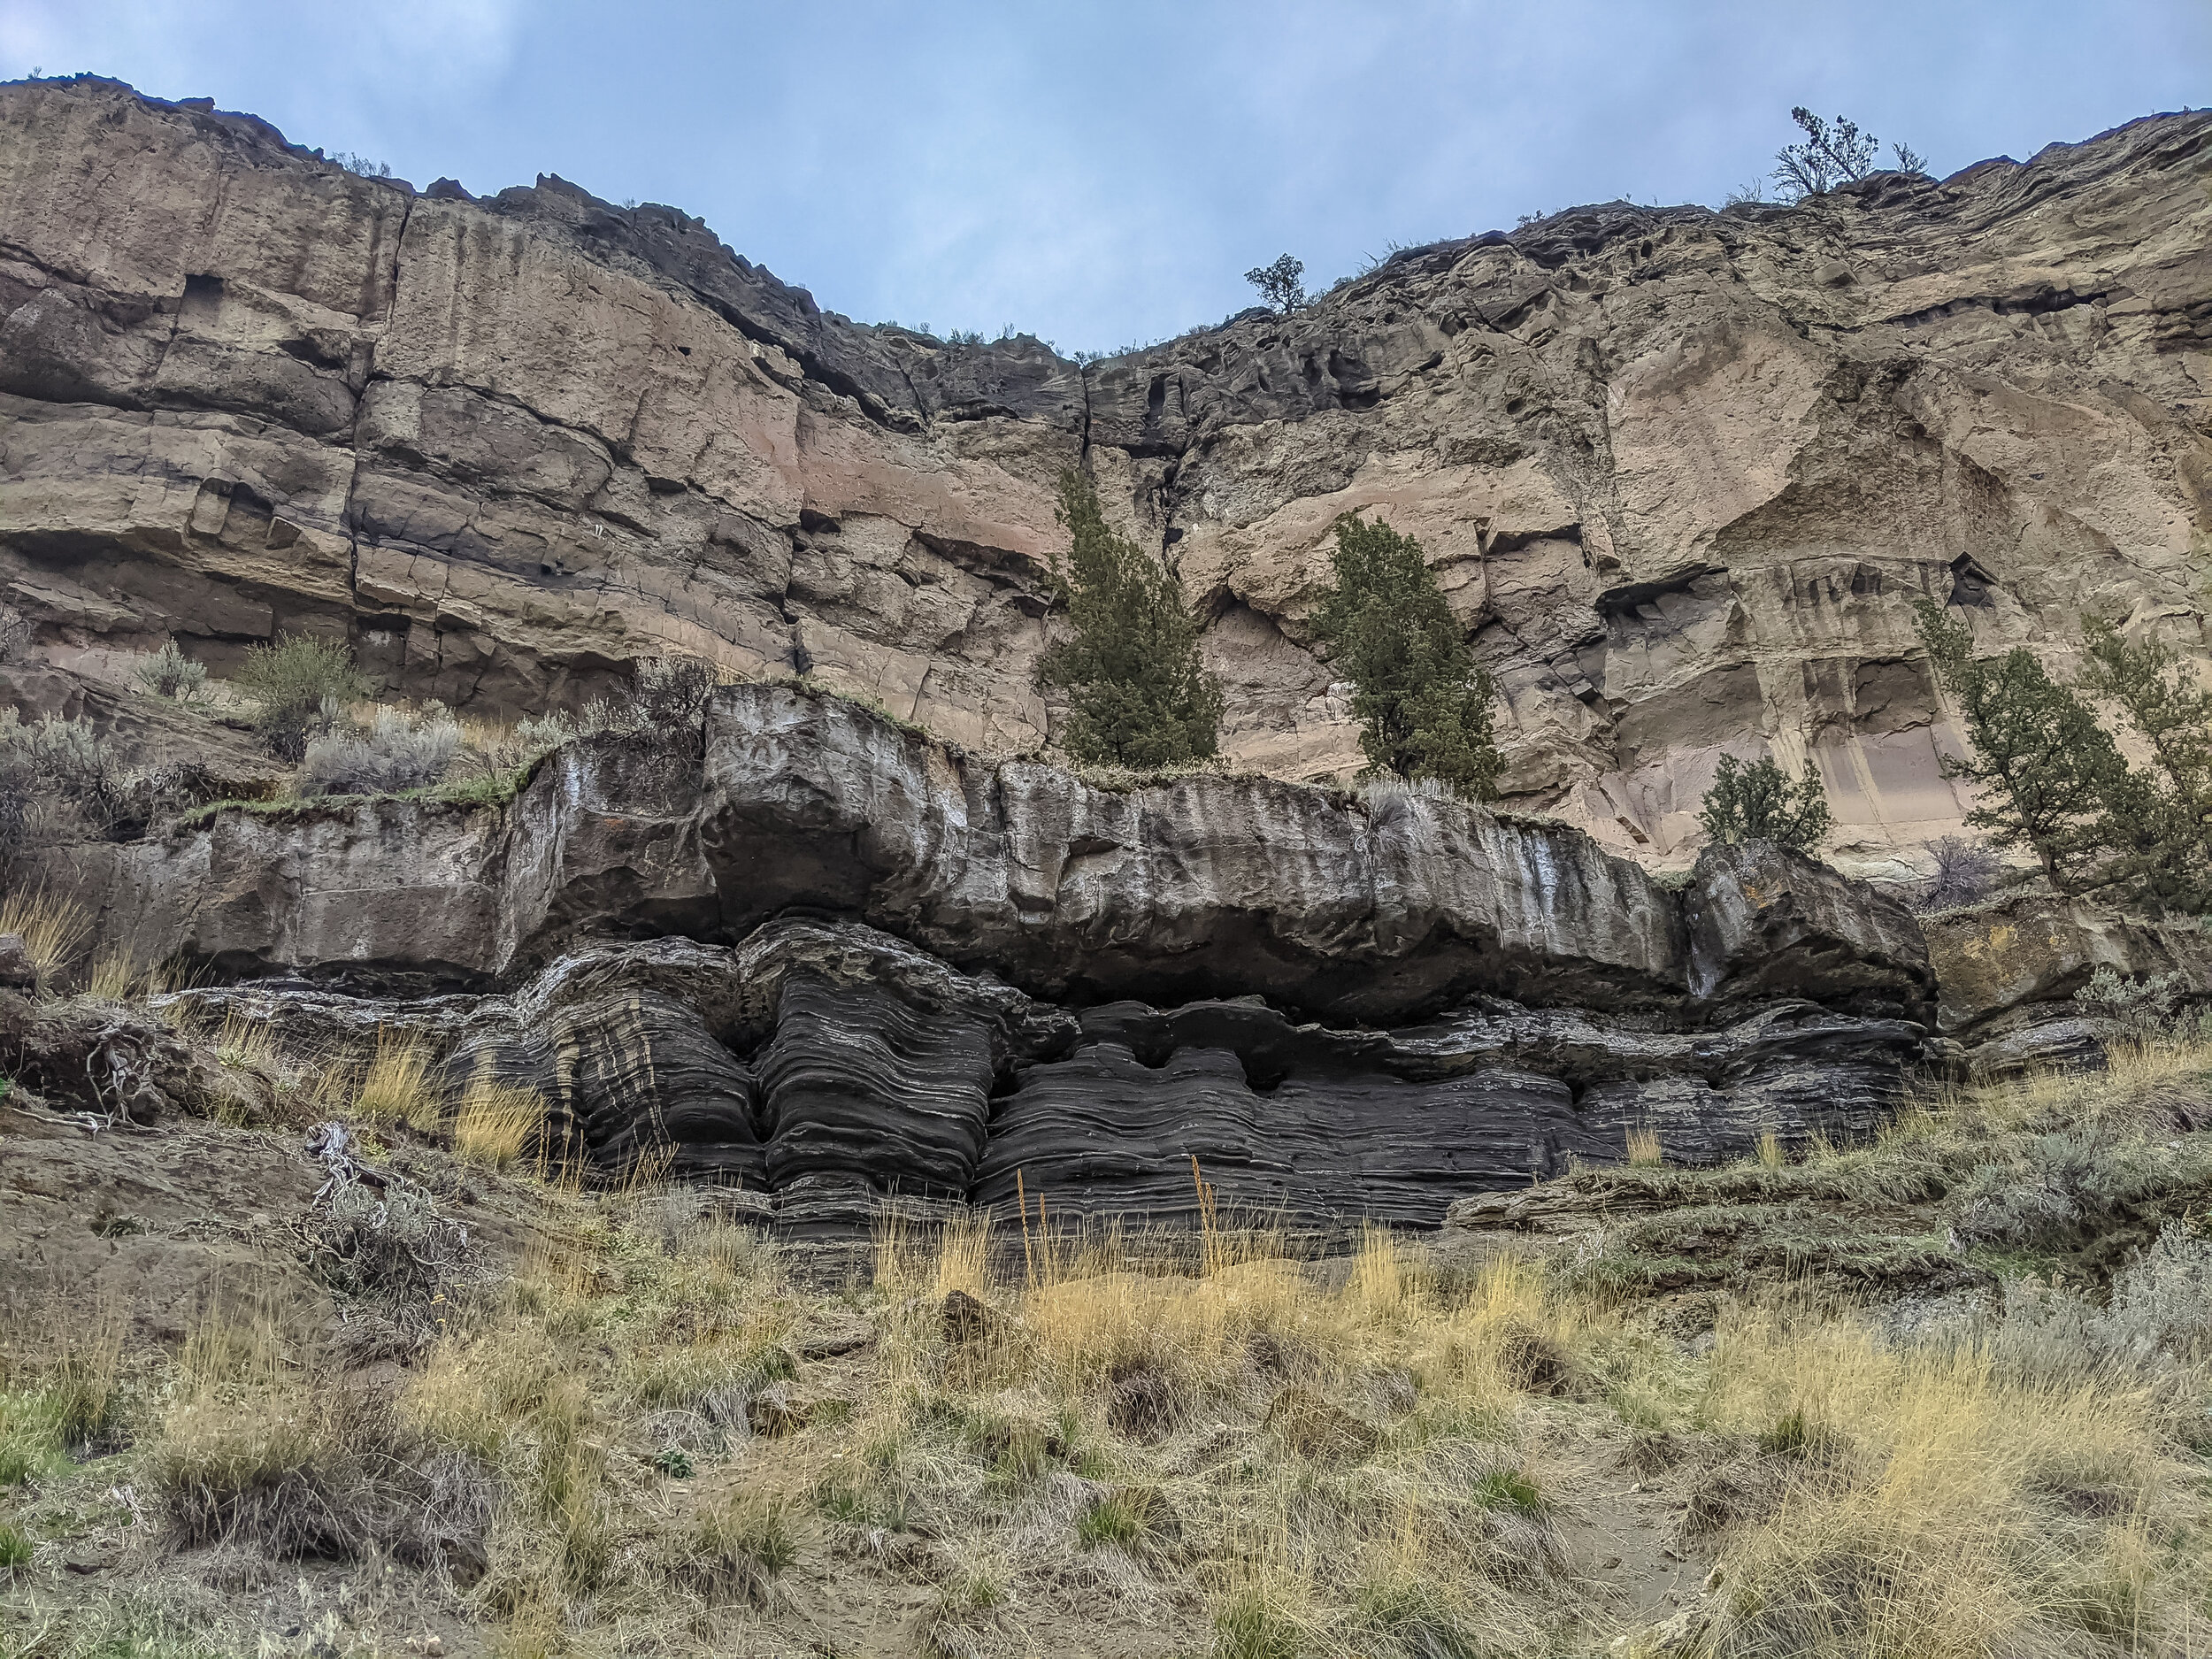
[(1378, 908), (832, 961), (830, 1067), (1681, 471)]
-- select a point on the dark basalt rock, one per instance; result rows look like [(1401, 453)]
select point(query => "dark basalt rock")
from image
[(1764, 921), (835, 1068), (1322, 1005)]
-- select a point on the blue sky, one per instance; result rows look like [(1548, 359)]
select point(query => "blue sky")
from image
[(1102, 174)]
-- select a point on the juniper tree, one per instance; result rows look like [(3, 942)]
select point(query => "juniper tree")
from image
[(1762, 802), (1138, 695), (1829, 155), (2160, 825), (1281, 284), (2046, 766), (1423, 701)]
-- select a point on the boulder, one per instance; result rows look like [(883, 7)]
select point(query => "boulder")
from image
[(18, 971), (2025, 949), (1764, 922), (828, 1070)]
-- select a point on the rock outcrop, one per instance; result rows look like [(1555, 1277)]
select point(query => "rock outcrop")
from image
[(1378, 908), (1681, 471), (831, 960)]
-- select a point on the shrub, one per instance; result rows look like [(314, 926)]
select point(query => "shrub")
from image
[(668, 695), (55, 776), (1423, 700), (1966, 871), (299, 687), (390, 1245), (2142, 1009), (2162, 1299), (169, 672), (1138, 695), (1762, 802), (1281, 284), (396, 752), (15, 634)]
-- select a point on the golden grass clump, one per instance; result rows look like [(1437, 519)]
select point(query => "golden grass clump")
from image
[(492, 1123), (397, 1089), (53, 928), (246, 1042), (111, 978), (1644, 1151), (1933, 1503)]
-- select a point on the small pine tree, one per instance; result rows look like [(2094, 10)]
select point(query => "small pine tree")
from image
[(1762, 802), (2160, 824), (2044, 763), (1422, 698), (1140, 695), (1281, 284), (1829, 156)]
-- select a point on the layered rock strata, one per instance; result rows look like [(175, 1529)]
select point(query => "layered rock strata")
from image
[(1681, 471), (829, 960), (1379, 907)]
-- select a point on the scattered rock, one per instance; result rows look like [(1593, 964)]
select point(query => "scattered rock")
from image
[(967, 1321), (836, 1342), (773, 1413), (1144, 1402)]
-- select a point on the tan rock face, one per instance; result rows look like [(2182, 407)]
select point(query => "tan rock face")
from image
[(1681, 472)]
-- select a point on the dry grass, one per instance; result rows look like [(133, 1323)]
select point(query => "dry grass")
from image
[(659, 1434), (111, 978), (1935, 1503), (53, 928), (397, 1088), (493, 1124), (1644, 1151), (248, 1043)]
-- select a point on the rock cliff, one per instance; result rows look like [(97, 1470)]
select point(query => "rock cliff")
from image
[(1680, 470), (834, 960)]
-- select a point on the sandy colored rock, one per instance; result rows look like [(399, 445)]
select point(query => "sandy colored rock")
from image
[(2029, 951), (1681, 472)]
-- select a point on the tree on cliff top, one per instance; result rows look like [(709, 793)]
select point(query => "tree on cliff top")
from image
[(1281, 284), (2044, 763), (1762, 802), (1423, 699), (1138, 695)]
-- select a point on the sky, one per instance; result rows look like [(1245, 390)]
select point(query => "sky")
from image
[(1101, 173)]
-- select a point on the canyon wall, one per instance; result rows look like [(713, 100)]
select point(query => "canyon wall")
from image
[(1680, 471)]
